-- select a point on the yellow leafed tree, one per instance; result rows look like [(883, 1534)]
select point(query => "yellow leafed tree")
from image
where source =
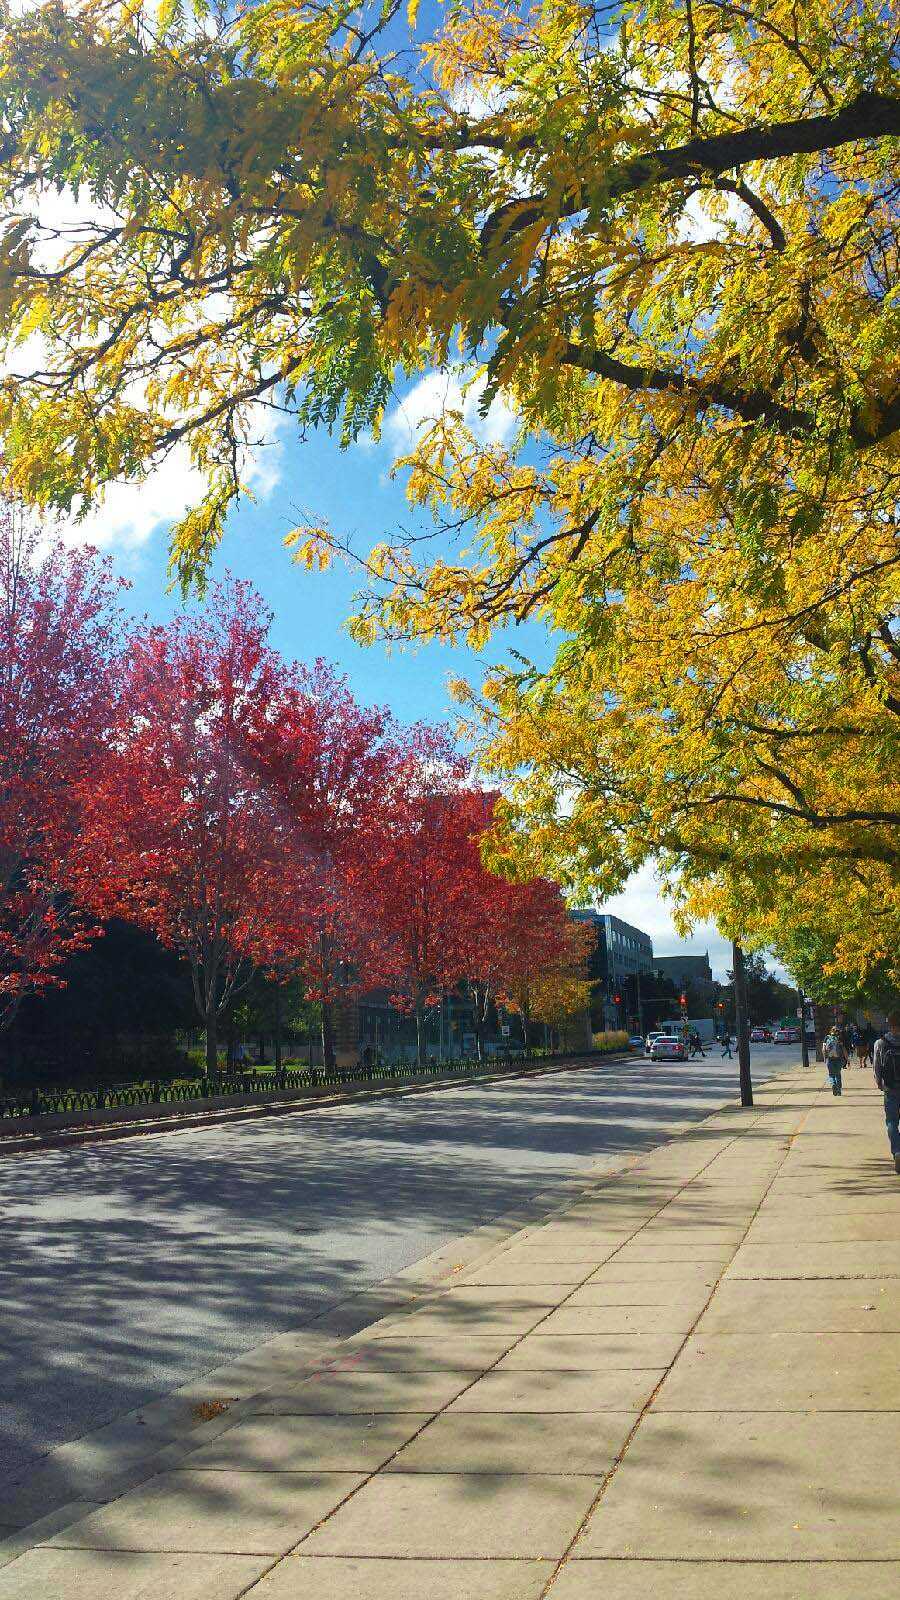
[(664, 234)]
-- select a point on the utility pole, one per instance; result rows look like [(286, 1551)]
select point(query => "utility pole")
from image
[(741, 1027), (801, 1012)]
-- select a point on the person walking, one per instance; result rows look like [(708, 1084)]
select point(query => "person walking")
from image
[(886, 1060), (867, 1039), (726, 1046), (835, 1053)]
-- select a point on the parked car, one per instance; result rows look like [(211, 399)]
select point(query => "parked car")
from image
[(636, 1042), (760, 1035), (667, 1048), (787, 1035)]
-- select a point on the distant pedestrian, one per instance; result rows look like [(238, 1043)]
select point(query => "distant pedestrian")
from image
[(867, 1039), (697, 1044), (887, 1076), (835, 1053), (726, 1046)]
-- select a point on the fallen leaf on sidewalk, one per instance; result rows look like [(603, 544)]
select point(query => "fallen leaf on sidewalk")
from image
[(205, 1410)]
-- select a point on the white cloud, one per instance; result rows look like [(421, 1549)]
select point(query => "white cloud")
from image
[(130, 513), (438, 392), (641, 903), (478, 101), (697, 225)]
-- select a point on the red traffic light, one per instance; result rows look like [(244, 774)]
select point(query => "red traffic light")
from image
[(683, 999), (617, 999)]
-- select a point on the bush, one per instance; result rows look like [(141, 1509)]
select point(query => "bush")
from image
[(610, 1040)]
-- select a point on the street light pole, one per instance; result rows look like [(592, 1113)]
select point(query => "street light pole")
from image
[(741, 1028), (804, 1047)]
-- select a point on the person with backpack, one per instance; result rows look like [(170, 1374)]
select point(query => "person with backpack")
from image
[(886, 1062), (835, 1053)]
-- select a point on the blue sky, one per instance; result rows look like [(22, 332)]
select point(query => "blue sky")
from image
[(351, 490)]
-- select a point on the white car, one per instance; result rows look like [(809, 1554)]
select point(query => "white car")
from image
[(650, 1038), (787, 1036), (666, 1047)]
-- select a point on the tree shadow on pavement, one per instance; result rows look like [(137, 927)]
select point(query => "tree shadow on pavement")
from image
[(132, 1267)]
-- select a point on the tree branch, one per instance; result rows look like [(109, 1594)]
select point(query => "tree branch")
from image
[(869, 116), (752, 405)]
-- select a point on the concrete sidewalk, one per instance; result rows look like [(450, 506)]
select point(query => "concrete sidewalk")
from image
[(684, 1383)]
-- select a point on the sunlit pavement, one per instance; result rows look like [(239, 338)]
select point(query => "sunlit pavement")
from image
[(132, 1267), (682, 1380)]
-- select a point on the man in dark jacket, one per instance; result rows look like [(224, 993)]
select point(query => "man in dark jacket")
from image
[(887, 1076)]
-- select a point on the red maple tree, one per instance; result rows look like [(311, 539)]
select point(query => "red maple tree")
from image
[(59, 636), (183, 839), (521, 938), (421, 899), (329, 765)]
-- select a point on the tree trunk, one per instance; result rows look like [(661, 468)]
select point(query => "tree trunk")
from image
[(211, 1022), (741, 1028), (480, 1011), (277, 1020), (821, 1030), (420, 1033), (327, 1037)]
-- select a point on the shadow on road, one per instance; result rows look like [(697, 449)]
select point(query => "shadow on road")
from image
[(129, 1268)]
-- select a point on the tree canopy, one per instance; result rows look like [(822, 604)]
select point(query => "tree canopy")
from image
[(665, 233)]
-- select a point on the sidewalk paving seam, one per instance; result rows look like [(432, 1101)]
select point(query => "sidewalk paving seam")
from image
[(571, 1289), (610, 1475)]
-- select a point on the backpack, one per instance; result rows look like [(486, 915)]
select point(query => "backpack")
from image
[(889, 1063)]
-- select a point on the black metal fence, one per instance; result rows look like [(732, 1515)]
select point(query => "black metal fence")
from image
[(34, 1102)]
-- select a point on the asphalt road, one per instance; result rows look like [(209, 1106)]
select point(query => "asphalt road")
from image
[(131, 1267)]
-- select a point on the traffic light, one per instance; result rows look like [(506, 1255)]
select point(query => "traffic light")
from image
[(617, 998), (683, 998)]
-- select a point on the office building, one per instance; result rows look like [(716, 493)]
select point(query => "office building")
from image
[(621, 954)]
